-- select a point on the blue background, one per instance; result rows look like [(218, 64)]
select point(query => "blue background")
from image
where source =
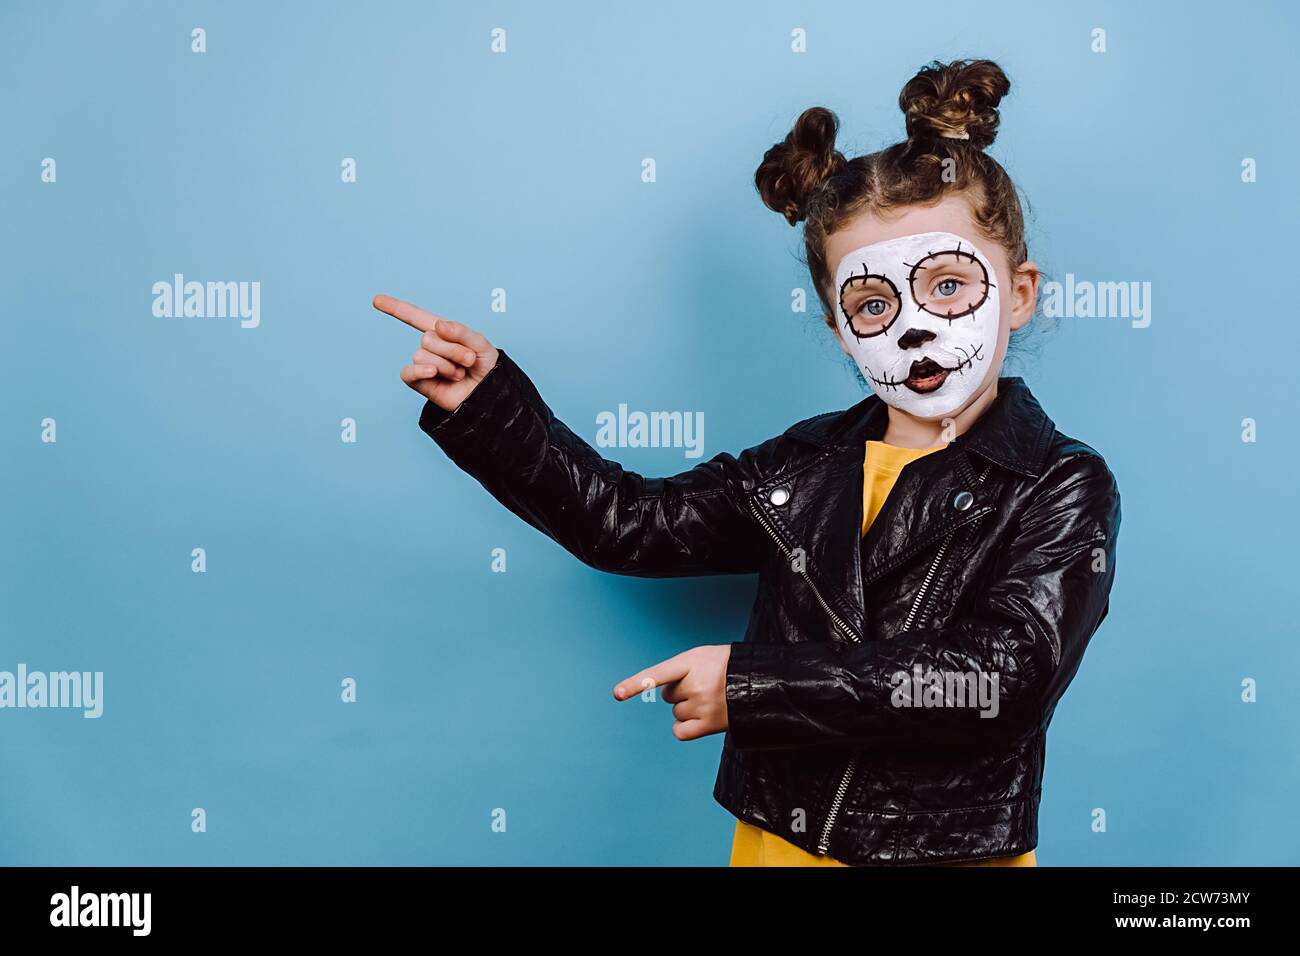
[(371, 560)]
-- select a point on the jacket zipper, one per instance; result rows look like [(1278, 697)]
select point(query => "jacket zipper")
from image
[(824, 842), (839, 622), (823, 846)]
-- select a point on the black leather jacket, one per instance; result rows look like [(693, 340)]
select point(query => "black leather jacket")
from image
[(991, 558)]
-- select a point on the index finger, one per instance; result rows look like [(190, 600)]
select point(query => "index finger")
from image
[(412, 315), (673, 669)]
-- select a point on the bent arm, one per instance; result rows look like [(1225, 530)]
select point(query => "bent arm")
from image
[(693, 523), (1022, 643)]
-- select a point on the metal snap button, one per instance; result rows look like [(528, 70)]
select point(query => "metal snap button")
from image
[(962, 500), (779, 496)]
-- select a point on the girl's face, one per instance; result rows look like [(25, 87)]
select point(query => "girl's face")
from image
[(925, 304)]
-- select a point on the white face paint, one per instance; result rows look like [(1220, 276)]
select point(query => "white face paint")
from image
[(919, 315)]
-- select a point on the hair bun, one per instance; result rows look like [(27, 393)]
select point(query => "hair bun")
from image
[(955, 101), (794, 169)]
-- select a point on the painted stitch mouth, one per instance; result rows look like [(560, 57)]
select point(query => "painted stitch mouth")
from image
[(926, 375)]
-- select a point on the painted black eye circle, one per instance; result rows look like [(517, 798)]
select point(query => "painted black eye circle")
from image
[(869, 303), (949, 283)]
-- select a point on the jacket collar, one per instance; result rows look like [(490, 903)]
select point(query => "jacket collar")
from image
[(1014, 432)]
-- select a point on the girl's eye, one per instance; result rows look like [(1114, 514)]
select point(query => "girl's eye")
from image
[(947, 287), (875, 307)]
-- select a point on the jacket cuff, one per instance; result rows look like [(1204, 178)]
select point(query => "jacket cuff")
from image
[(447, 428), (739, 696)]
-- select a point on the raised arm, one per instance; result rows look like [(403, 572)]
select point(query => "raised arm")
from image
[(501, 432)]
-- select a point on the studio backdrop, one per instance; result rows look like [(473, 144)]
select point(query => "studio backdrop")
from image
[(306, 637)]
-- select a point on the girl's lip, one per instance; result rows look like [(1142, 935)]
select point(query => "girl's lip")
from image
[(926, 376)]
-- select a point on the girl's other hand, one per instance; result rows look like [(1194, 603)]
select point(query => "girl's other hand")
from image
[(695, 683), (451, 360)]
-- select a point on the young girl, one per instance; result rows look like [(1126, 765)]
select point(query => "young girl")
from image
[(931, 562)]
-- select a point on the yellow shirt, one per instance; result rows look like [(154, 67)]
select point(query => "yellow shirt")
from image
[(754, 846)]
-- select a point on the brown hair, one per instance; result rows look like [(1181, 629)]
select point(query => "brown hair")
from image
[(951, 112)]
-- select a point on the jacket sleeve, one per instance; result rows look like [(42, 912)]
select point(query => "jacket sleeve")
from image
[(615, 520), (1028, 629)]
